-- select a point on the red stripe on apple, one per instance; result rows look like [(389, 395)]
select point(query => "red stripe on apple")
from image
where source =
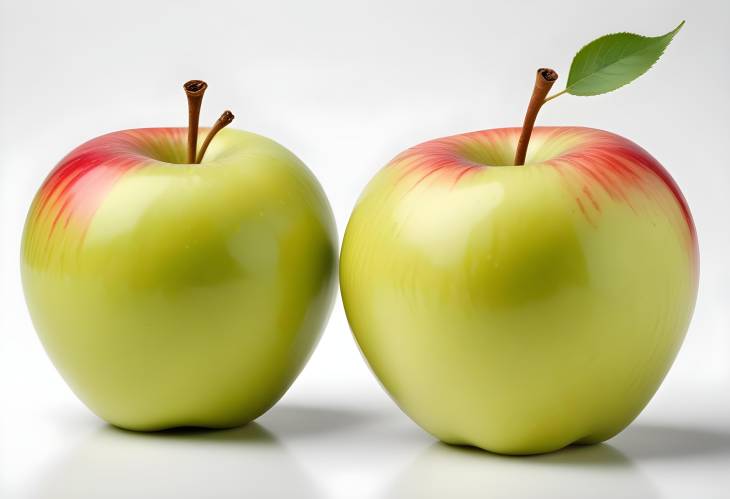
[(76, 187), (608, 159)]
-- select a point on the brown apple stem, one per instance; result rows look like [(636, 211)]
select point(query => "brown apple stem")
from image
[(543, 83), (222, 122), (194, 89)]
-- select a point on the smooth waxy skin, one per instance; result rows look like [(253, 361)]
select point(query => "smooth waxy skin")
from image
[(171, 294), (521, 309)]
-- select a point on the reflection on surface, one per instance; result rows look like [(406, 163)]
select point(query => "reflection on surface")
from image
[(345, 447), (591, 471), (113, 463), (607, 470)]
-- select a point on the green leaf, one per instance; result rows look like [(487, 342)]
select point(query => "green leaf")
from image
[(612, 61)]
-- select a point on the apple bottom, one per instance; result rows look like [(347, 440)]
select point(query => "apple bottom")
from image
[(202, 360)]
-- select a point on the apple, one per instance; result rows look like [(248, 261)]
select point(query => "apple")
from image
[(521, 309), (170, 292)]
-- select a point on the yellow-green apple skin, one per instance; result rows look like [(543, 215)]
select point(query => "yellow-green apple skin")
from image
[(521, 309), (171, 294)]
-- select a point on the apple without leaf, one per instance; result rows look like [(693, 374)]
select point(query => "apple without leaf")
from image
[(170, 292), (521, 300)]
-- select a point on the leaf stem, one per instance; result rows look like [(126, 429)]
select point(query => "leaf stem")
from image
[(543, 83), (548, 99)]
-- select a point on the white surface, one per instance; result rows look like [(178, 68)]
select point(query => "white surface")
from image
[(347, 86)]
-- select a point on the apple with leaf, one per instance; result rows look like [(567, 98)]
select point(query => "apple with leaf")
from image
[(523, 289)]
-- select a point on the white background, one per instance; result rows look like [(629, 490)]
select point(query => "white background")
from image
[(346, 86)]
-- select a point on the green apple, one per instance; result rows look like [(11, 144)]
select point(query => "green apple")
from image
[(169, 293), (521, 308)]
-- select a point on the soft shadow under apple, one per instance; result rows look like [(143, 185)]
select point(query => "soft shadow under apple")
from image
[(649, 442), (182, 463), (466, 472), (614, 469), (290, 421)]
